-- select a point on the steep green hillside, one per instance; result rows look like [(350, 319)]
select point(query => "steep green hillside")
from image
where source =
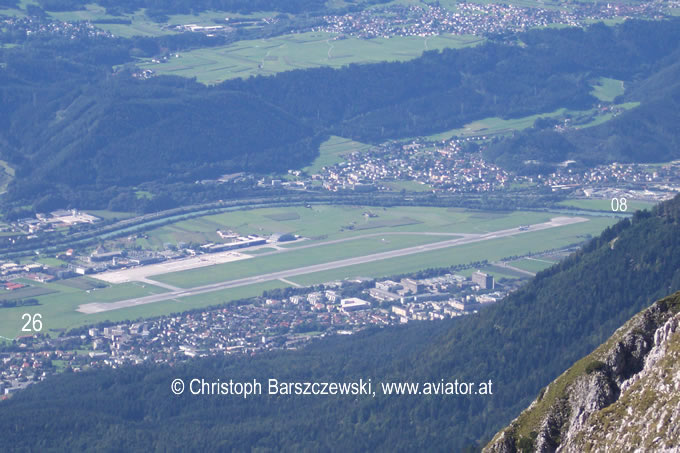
[(520, 345)]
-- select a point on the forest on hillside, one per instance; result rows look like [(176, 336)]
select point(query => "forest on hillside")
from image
[(646, 133), (76, 132), (520, 344)]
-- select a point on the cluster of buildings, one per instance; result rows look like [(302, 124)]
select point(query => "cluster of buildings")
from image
[(18, 370), (477, 19), (440, 166), (265, 324), (71, 263), (649, 182), (101, 260), (234, 242), (27, 228), (30, 26), (208, 30), (444, 167)]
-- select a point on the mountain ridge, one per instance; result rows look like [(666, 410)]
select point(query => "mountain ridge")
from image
[(622, 396)]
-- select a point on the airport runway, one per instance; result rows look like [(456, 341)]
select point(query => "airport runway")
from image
[(98, 307), (143, 273)]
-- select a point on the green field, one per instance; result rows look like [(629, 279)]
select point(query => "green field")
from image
[(293, 259), (58, 308), (389, 231), (20, 11), (495, 126), (607, 89), (499, 126), (28, 292), (497, 272), (605, 205), (602, 118), (332, 152), (6, 175), (492, 250), (48, 261), (324, 222), (297, 51), (532, 264)]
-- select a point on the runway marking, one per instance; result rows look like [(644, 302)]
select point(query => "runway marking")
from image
[(161, 284), (98, 307), (290, 283)]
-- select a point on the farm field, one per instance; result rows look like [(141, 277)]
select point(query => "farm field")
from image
[(497, 272), (605, 205), (411, 186), (297, 51), (500, 126)]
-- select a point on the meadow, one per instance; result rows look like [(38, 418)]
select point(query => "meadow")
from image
[(607, 89), (297, 51), (604, 89), (495, 126), (58, 307), (333, 151), (492, 250), (320, 222), (326, 222)]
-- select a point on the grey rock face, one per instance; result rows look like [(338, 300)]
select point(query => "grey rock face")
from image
[(627, 399)]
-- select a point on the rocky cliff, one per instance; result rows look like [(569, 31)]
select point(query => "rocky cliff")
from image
[(625, 396)]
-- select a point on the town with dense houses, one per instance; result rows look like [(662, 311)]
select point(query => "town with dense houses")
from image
[(447, 167), (257, 325), (471, 18), (468, 18), (291, 318)]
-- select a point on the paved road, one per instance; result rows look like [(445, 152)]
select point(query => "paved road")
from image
[(98, 307)]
